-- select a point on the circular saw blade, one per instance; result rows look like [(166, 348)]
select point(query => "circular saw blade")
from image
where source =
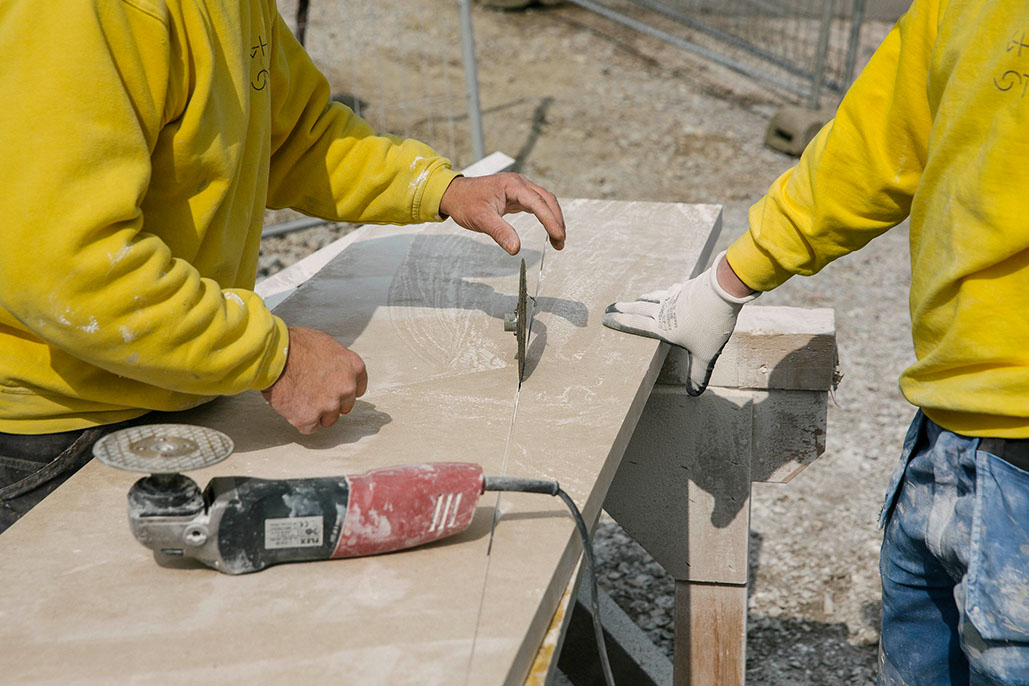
[(521, 332), (163, 448)]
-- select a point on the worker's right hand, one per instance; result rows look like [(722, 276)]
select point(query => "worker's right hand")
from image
[(480, 203), (698, 315), (321, 381)]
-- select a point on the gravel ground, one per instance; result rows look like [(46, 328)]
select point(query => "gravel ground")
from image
[(590, 109)]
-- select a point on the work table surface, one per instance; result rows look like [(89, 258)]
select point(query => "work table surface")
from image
[(81, 602)]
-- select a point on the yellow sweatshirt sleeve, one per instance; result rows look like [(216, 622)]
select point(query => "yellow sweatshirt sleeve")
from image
[(328, 162), (857, 177), (85, 89)]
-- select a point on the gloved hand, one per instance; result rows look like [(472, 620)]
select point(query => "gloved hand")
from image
[(698, 315)]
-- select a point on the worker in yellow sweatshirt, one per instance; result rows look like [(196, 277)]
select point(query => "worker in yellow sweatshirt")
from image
[(141, 142), (936, 128)]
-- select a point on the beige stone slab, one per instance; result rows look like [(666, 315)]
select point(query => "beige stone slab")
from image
[(82, 603), (280, 285)]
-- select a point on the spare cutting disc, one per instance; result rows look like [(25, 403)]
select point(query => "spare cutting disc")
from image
[(163, 448), (521, 332)]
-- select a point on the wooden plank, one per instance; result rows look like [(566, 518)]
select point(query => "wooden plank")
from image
[(787, 356), (634, 658), (83, 603), (789, 433), (710, 634)]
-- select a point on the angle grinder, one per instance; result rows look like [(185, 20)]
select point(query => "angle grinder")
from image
[(243, 524)]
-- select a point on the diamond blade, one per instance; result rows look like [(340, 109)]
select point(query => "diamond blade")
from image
[(163, 448), (522, 331)]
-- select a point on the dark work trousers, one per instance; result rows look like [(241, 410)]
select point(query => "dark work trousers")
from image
[(32, 466)]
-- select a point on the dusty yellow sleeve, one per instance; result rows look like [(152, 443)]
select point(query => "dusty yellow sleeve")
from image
[(857, 177), (328, 162), (85, 89)]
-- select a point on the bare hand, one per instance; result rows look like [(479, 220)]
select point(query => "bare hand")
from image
[(321, 381), (478, 203)]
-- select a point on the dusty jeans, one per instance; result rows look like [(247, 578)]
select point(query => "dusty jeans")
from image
[(955, 562), (31, 467)]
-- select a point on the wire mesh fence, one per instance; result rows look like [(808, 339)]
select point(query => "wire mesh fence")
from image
[(800, 46), (409, 68), (406, 68)]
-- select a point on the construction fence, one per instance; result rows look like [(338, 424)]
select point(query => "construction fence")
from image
[(428, 88), (800, 46)]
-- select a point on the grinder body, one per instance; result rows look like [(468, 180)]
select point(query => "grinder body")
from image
[(241, 524)]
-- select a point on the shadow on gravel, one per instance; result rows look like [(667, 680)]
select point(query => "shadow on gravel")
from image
[(791, 651), (781, 651), (539, 120), (785, 650)]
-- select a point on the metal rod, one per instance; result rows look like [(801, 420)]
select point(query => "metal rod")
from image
[(818, 76), (471, 80), (290, 226), (857, 18), (684, 44)]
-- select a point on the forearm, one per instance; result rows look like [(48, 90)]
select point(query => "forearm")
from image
[(129, 308), (351, 174)]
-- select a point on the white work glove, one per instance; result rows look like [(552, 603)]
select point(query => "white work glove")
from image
[(698, 315)]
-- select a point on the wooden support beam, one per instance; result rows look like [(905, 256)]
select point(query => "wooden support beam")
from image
[(683, 487), (710, 634)]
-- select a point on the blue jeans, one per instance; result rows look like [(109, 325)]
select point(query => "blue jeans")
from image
[(955, 564)]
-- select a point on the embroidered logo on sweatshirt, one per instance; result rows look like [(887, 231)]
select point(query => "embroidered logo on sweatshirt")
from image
[(1016, 78), (258, 61)]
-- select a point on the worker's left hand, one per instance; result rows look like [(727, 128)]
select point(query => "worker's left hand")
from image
[(321, 381), (478, 203), (698, 315)]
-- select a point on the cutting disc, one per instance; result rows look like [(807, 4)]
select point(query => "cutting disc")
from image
[(521, 332), (163, 448)]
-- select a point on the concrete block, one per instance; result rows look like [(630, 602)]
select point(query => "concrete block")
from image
[(792, 128), (683, 487)]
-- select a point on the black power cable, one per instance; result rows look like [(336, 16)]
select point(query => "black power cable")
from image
[(542, 486)]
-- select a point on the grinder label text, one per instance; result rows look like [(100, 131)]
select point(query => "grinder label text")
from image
[(292, 532)]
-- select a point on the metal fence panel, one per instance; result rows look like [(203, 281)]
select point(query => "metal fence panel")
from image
[(801, 46)]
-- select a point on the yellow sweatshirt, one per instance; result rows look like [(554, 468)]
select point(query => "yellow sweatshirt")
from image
[(141, 142), (937, 126)]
